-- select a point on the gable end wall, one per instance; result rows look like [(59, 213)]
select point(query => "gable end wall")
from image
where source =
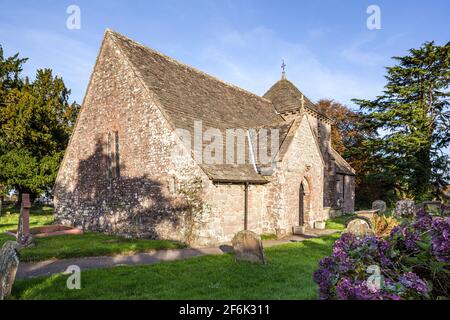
[(142, 202)]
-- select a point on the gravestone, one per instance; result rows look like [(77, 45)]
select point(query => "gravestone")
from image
[(23, 236), (359, 227), (247, 246), (379, 205), (405, 208), (367, 215), (445, 210), (432, 207), (9, 262)]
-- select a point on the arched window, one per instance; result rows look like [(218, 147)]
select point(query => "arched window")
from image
[(113, 155)]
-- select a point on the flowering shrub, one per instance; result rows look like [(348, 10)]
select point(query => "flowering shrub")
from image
[(413, 262), (441, 240)]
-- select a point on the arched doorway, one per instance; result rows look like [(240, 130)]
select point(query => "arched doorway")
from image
[(304, 202), (301, 205)]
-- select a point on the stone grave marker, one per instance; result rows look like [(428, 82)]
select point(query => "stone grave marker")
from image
[(405, 208), (247, 246), (23, 236), (379, 205), (9, 262), (359, 227), (432, 207)]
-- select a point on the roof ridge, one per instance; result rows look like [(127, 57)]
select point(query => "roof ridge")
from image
[(114, 33)]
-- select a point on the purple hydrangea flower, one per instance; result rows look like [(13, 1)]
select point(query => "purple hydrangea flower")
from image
[(343, 274), (325, 276), (405, 237), (423, 220), (346, 289), (440, 239), (412, 281)]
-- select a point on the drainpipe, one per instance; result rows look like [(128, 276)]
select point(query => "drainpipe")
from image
[(252, 152), (246, 206), (253, 160)]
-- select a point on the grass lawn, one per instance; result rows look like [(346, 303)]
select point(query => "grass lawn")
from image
[(72, 246), (38, 217), (337, 223), (288, 275)]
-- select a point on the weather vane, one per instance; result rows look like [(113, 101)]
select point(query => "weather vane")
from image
[(283, 67)]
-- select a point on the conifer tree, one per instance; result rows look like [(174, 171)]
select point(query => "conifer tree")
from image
[(412, 120), (36, 121)]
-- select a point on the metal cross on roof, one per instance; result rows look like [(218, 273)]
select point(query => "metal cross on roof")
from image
[(283, 67)]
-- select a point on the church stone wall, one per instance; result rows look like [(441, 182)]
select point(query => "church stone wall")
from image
[(331, 184), (148, 197), (349, 196), (227, 203), (324, 130), (314, 123), (301, 163)]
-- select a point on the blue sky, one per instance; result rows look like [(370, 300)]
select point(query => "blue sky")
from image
[(327, 47)]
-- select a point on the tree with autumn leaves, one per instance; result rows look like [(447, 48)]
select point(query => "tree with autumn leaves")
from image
[(348, 138), (36, 121)]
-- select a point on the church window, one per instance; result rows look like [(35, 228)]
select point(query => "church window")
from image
[(113, 155), (116, 155), (173, 185), (109, 156)]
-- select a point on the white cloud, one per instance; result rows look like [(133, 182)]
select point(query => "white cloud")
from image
[(359, 52), (252, 60), (249, 59)]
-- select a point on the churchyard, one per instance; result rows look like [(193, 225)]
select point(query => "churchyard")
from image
[(72, 246), (289, 271), (286, 275)]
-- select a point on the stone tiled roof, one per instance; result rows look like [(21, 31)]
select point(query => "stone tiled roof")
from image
[(342, 166), (186, 94), (287, 97), (233, 173)]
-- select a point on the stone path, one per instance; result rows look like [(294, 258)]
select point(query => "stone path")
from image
[(49, 267)]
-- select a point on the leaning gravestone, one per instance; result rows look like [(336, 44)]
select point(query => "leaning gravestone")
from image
[(379, 205), (9, 262), (359, 227), (405, 208), (247, 246)]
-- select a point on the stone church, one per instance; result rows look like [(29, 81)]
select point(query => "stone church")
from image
[(121, 175)]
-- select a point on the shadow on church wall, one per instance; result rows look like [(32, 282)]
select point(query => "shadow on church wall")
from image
[(129, 206)]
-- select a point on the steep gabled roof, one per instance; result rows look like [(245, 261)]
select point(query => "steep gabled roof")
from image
[(185, 95), (287, 97)]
